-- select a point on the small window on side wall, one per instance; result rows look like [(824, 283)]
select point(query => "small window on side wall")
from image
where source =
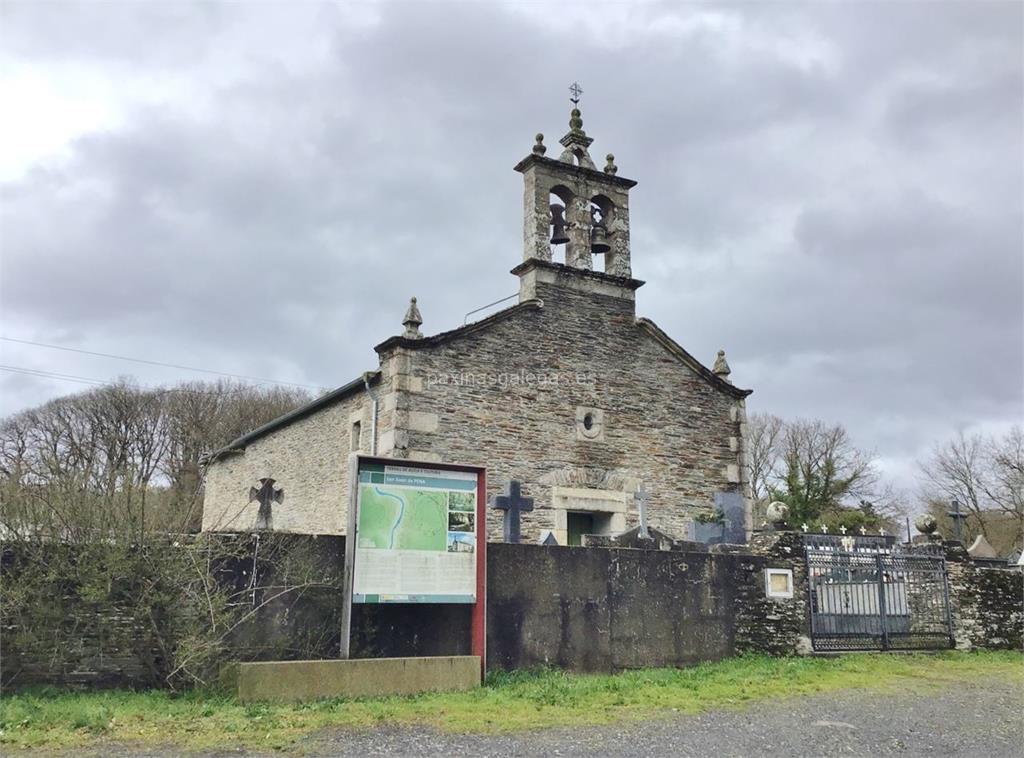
[(778, 583), (356, 431)]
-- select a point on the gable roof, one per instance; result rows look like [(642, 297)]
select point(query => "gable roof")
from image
[(684, 357), (373, 377), (476, 326), (334, 396)]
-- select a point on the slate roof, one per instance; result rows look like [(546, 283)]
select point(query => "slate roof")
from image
[(358, 384), (334, 396)]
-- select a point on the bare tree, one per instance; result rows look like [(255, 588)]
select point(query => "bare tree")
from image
[(87, 465), (985, 474), (95, 489), (817, 470), (764, 432)]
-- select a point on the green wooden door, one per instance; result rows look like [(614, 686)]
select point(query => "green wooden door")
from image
[(579, 524)]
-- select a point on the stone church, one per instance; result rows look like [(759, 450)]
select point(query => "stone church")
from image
[(567, 391)]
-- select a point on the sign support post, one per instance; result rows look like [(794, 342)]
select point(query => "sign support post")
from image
[(422, 542), (351, 536)]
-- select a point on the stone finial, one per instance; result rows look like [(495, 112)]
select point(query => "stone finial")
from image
[(926, 523), (610, 167), (576, 122), (412, 322), (539, 148), (722, 366), (777, 513), (576, 143)]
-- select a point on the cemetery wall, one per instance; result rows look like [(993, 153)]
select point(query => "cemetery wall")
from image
[(987, 601), (599, 608), (606, 609)]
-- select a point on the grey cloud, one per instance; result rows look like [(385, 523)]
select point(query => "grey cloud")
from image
[(832, 192)]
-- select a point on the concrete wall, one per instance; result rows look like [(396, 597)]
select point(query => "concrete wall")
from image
[(606, 609)]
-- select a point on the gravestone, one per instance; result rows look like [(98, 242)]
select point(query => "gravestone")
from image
[(733, 509), (641, 497)]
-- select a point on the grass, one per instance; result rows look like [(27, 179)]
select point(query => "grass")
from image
[(508, 702)]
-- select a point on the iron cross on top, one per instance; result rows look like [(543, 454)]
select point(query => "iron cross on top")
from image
[(513, 503), (576, 91)]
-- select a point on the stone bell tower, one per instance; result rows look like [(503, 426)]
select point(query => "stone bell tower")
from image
[(570, 202)]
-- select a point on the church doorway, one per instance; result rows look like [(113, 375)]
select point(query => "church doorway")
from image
[(579, 523)]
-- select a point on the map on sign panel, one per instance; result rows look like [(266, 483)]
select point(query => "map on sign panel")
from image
[(416, 535), (395, 519)]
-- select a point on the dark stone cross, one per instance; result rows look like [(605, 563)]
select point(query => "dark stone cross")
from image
[(958, 519), (575, 90), (513, 503), (266, 494)]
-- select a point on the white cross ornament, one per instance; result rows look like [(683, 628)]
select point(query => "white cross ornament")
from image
[(805, 527), (843, 528)]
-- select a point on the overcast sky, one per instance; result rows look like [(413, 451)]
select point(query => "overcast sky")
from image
[(831, 192)]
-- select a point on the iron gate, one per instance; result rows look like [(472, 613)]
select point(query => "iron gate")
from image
[(867, 594)]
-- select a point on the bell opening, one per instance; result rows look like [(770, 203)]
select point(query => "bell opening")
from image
[(602, 212), (559, 202)]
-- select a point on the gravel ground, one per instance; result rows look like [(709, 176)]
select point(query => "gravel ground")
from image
[(966, 721)]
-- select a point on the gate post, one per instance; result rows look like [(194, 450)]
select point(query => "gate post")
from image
[(949, 606), (882, 615)]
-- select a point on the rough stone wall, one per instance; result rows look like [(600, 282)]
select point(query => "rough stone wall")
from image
[(769, 625), (601, 608), (511, 396), (987, 602), (308, 459)]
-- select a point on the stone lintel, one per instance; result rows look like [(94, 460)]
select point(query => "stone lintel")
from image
[(533, 271), (580, 172)]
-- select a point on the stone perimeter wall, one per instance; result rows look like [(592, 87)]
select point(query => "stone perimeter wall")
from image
[(987, 601), (585, 609)]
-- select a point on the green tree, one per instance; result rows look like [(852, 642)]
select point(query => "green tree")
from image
[(824, 478)]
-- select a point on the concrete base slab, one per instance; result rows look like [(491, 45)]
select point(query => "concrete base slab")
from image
[(291, 681)]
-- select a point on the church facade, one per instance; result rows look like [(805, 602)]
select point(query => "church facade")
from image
[(568, 392)]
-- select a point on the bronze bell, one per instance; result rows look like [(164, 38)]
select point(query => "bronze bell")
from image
[(599, 240), (558, 235)]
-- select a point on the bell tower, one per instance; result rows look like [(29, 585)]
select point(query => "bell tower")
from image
[(569, 202)]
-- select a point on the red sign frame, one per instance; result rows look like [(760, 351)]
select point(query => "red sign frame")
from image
[(478, 620)]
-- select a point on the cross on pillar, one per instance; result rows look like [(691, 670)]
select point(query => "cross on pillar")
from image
[(513, 503), (641, 497), (575, 90)]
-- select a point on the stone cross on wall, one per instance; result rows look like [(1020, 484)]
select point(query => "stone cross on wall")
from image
[(641, 497), (265, 495), (513, 503)]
